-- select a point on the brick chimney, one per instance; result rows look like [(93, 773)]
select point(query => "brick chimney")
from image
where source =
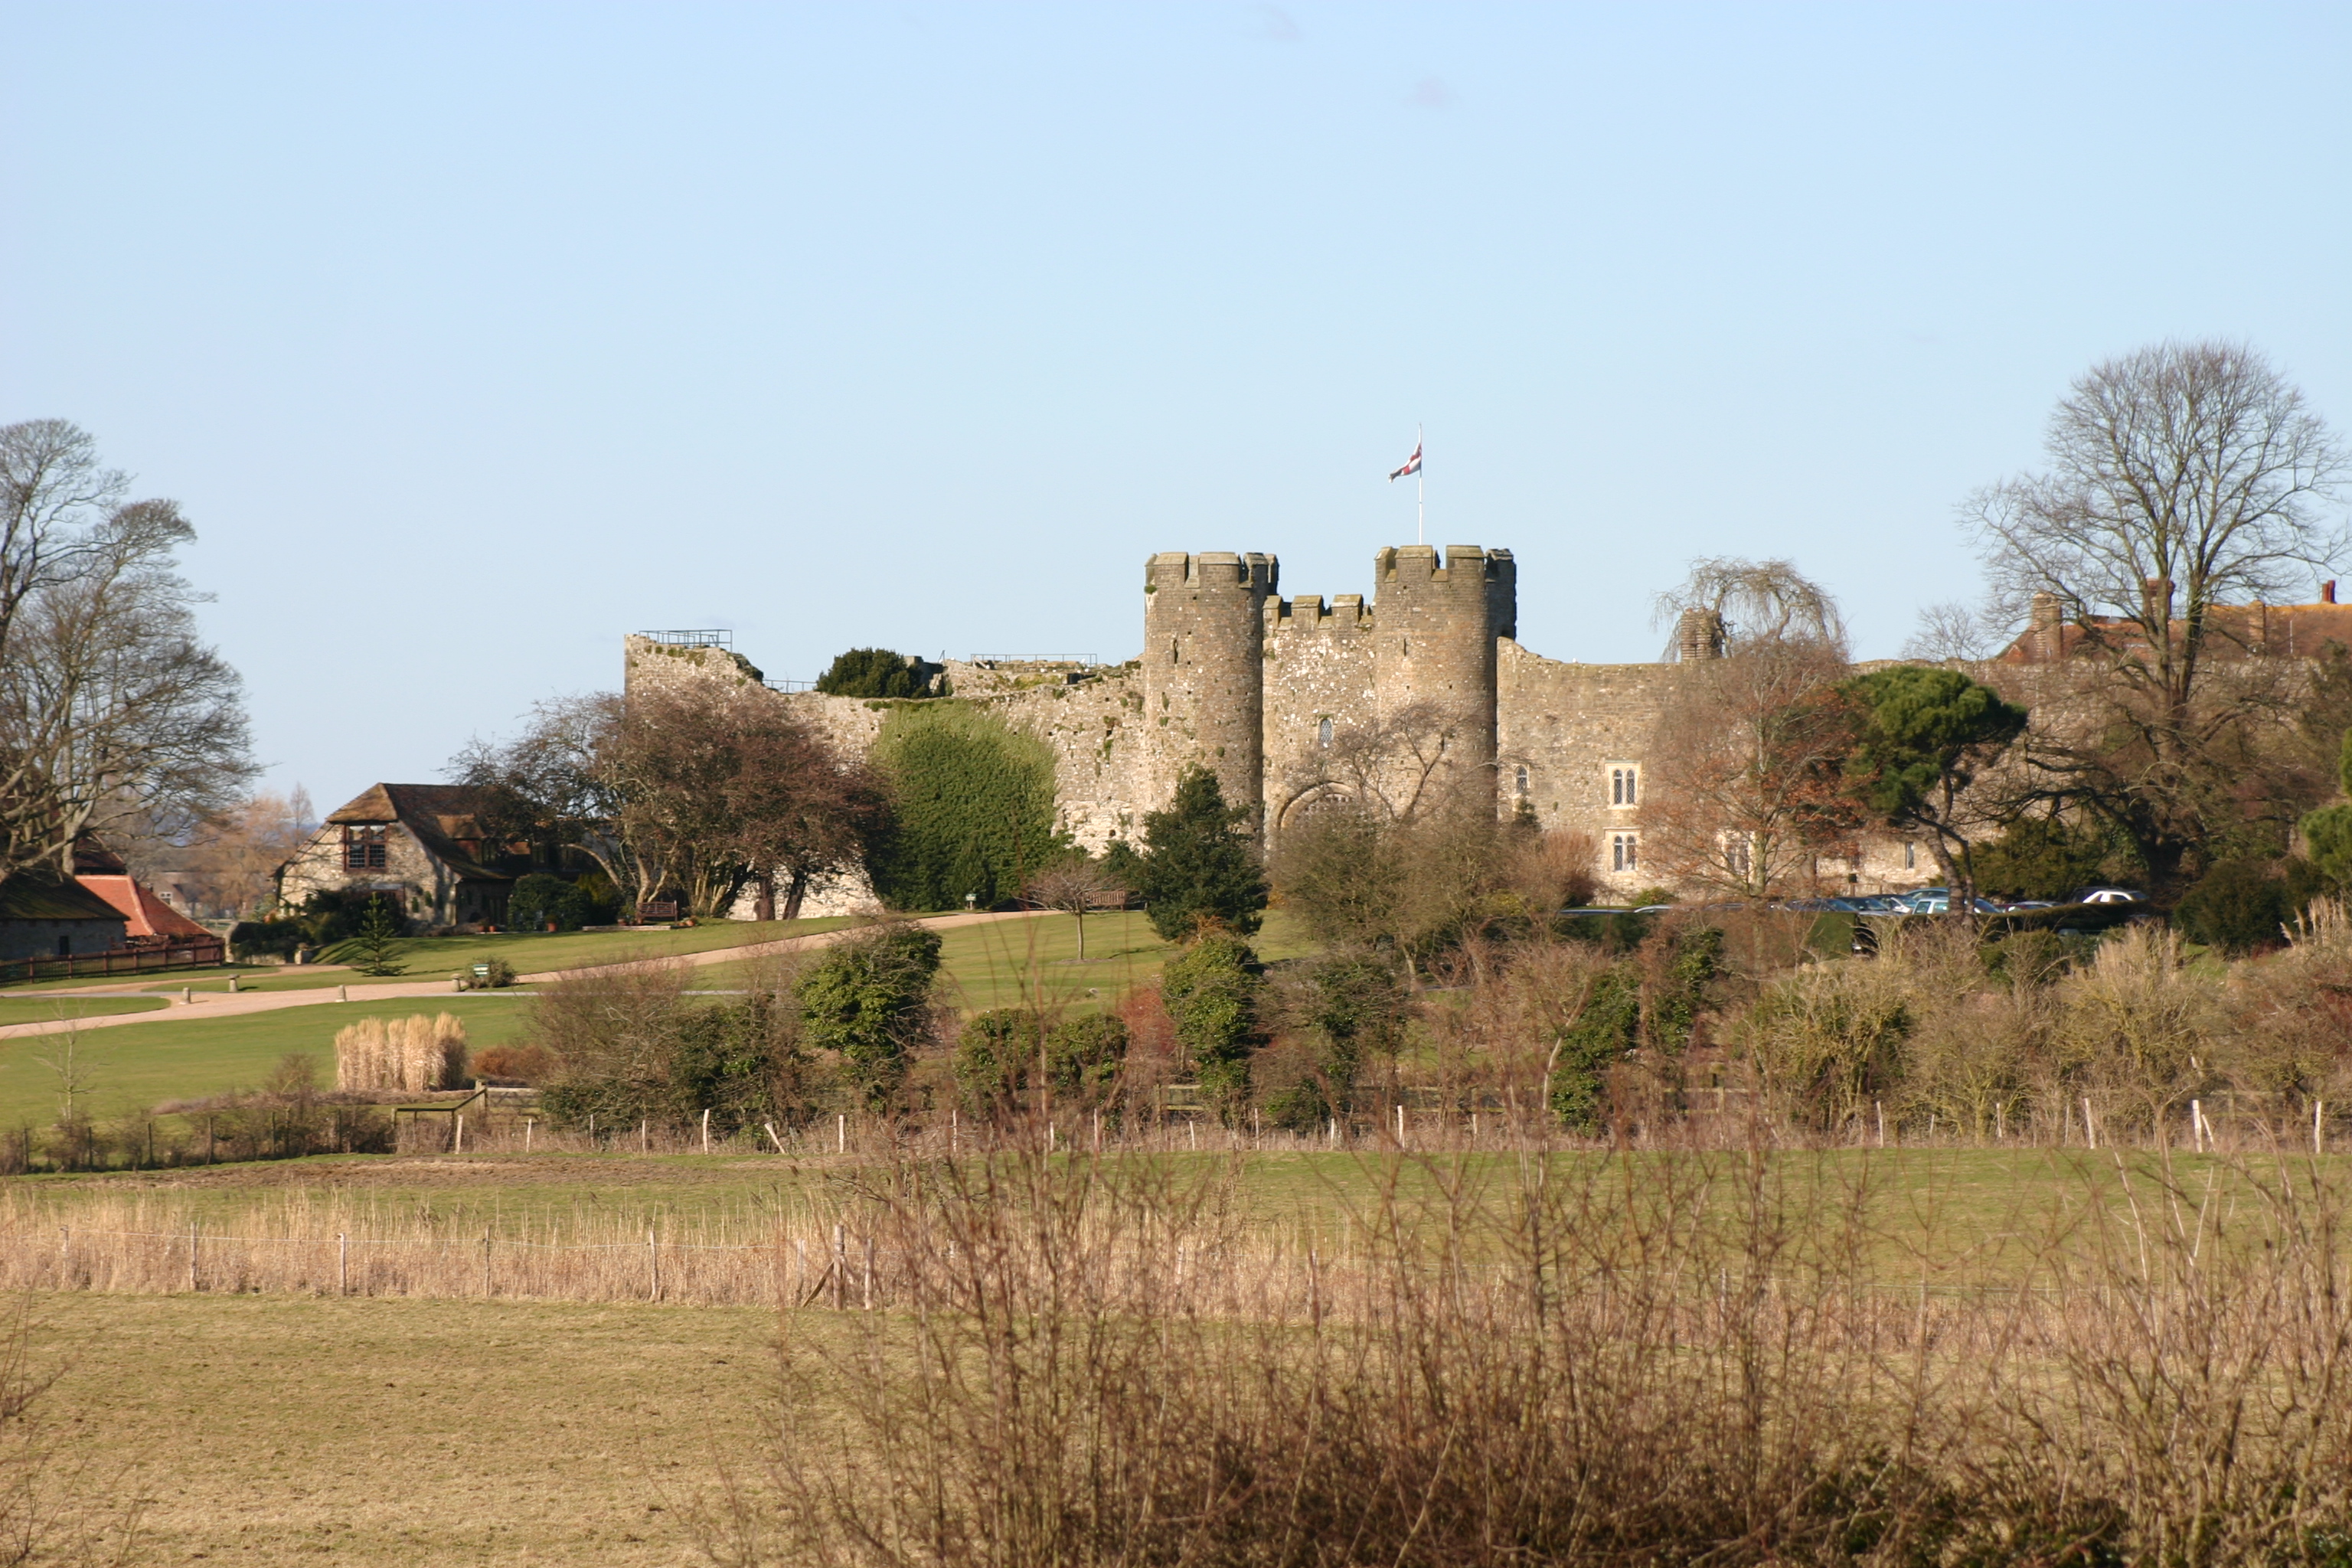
[(2327, 592), (2155, 598)]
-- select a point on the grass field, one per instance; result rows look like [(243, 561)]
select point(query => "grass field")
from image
[(1953, 1220), (42, 1009), (279, 1430), (1004, 963), (138, 1064)]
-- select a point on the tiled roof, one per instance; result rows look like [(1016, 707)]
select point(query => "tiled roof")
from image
[(436, 814), (29, 897), (143, 913)]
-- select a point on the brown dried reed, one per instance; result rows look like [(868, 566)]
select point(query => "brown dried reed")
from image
[(414, 1053)]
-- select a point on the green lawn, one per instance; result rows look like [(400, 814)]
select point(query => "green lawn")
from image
[(142, 1064), (44, 1009), (1003, 963)]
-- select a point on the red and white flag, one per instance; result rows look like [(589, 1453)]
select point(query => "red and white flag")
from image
[(1412, 465)]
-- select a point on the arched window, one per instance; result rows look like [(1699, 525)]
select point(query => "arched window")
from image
[(1323, 734), (1523, 779)]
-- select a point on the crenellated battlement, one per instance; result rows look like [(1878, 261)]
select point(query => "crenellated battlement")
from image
[(1307, 616), (1212, 569)]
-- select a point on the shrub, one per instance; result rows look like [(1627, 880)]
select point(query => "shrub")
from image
[(1211, 991), (1826, 1042), (1085, 1054), (993, 1055), (625, 1044), (874, 672), (973, 808), (870, 998), (540, 901), (2241, 906), (1348, 1005), (520, 1064)]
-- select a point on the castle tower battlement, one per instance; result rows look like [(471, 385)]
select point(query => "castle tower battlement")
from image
[(1435, 629), (1203, 669)]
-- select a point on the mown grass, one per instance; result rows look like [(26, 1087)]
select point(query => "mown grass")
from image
[(130, 1066), (44, 1009), (1013, 963)]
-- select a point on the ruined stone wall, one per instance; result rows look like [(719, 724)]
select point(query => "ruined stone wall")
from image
[(1319, 670)]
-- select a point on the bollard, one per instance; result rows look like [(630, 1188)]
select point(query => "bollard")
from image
[(187, 995), (342, 993)]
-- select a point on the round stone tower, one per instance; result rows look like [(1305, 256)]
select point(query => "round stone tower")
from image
[(1203, 670), (1434, 626)]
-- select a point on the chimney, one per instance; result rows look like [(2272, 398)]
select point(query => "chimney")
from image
[(2155, 598), (2045, 641), (2327, 592), (1698, 634)]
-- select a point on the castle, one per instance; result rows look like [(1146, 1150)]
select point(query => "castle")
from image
[(1279, 697), (1269, 693)]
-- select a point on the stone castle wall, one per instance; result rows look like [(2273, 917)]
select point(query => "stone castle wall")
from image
[(1262, 690)]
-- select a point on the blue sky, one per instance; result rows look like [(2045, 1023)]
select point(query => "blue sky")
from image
[(475, 336)]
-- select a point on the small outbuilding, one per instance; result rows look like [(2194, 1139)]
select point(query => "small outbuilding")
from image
[(43, 917), (420, 846)]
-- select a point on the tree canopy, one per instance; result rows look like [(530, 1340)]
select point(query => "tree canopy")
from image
[(1925, 732)]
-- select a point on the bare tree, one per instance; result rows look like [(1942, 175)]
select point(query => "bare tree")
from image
[(1743, 788), (703, 791), (1394, 766), (111, 709), (1077, 886), (229, 863), (1951, 631), (2179, 478), (1736, 602)]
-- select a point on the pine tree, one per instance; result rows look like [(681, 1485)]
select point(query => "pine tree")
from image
[(1199, 865), (374, 949)]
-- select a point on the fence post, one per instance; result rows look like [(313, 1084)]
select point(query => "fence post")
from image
[(192, 1255), (1880, 1106), (840, 1265), (705, 1129), (528, 1123), (342, 1264), (653, 1262), (2090, 1128), (2318, 1136), (460, 1147), (870, 1273), (841, 1132), (486, 1263)]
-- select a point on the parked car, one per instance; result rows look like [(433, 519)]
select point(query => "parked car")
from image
[(2106, 895)]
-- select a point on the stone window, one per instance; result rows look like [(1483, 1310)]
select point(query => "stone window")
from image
[(1521, 780), (1910, 857), (1737, 854), (1624, 784), (1323, 734), (364, 849), (1624, 852)]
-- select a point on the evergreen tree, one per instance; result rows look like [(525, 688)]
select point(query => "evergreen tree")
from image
[(378, 942), (1198, 864)]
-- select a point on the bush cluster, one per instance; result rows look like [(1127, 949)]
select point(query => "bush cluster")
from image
[(327, 917), (998, 1055)]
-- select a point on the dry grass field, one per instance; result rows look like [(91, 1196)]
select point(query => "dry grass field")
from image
[(267, 1430)]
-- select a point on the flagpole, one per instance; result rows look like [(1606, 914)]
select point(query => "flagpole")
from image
[(1420, 501)]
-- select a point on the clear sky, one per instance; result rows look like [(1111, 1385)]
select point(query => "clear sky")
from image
[(474, 336)]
